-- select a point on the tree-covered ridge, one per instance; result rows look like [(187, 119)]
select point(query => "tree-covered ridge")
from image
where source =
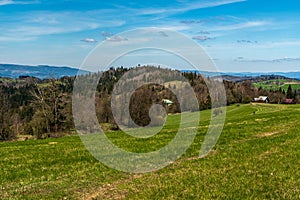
[(43, 108)]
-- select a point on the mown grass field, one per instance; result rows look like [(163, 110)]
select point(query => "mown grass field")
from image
[(278, 83), (256, 157)]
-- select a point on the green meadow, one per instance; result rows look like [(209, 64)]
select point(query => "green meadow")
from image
[(278, 83), (256, 157)]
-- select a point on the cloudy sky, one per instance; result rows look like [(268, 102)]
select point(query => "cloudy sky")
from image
[(239, 35)]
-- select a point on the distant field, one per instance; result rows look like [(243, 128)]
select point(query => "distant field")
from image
[(276, 84), (257, 157)]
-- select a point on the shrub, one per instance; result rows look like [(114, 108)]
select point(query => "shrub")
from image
[(7, 134)]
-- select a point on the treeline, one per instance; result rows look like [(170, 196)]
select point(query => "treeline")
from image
[(43, 108), (31, 106)]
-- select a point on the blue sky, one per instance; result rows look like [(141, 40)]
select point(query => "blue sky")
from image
[(240, 35)]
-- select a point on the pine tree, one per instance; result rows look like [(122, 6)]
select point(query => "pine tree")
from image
[(289, 93)]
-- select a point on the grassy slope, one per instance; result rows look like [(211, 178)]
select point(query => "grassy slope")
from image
[(271, 84), (257, 156)]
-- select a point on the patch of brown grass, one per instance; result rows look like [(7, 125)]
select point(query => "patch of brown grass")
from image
[(267, 134), (111, 190)]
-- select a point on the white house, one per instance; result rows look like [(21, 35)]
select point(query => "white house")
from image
[(167, 101), (262, 99)]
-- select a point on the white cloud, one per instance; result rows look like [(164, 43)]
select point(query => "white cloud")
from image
[(188, 22), (11, 2), (89, 40), (208, 4), (106, 34), (39, 23), (202, 38), (5, 2), (278, 60), (239, 26), (116, 39), (174, 27), (15, 39), (247, 41), (280, 44), (152, 11), (185, 6), (204, 32)]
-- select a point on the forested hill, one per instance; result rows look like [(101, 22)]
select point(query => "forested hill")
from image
[(43, 107), (40, 71)]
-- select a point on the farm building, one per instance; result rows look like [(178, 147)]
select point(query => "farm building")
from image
[(289, 101), (262, 99), (167, 102)]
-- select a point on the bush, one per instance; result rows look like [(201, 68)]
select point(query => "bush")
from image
[(247, 99), (7, 134)]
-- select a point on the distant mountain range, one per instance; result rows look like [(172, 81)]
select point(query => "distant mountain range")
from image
[(293, 75), (45, 71), (244, 75), (40, 71)]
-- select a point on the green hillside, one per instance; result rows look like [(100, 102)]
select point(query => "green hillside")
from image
[(278, 83), (257, 157)]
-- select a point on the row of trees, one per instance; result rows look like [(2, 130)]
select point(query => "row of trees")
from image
[(43, 108)]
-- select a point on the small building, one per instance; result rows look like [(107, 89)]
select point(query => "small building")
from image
[(262, 99), (167, 102), (289, 101)]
